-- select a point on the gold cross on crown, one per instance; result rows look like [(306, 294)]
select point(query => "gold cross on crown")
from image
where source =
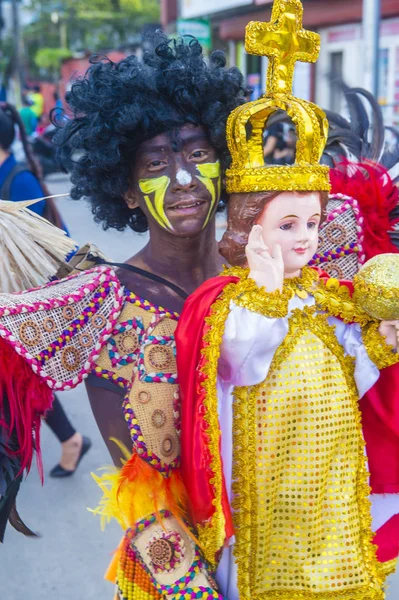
[(284, 42)]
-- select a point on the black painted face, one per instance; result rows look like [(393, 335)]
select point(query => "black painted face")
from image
[(177, 180)]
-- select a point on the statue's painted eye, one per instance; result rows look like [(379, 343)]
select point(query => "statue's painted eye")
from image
[(286, 226)]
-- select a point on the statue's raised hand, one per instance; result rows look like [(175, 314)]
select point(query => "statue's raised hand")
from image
[(266, 266)]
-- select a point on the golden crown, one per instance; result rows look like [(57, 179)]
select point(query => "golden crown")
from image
[(284, 42)]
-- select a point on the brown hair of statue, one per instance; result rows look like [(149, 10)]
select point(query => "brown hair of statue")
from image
[(243, 212)]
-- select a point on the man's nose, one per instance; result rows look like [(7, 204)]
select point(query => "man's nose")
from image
[(184, 181)]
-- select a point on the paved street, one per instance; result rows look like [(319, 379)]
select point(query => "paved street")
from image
[(68, 561)]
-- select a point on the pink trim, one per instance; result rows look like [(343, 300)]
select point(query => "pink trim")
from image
[(104, 274), (101, 277)]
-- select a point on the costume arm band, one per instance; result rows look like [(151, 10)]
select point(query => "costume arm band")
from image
[(378, 350), (168, 553), (257, 299)]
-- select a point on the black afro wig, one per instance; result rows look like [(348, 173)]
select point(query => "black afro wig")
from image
[(116, 107)]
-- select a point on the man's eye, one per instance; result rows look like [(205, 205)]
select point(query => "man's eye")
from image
[(199, 154), (156, 163), (286, 226)]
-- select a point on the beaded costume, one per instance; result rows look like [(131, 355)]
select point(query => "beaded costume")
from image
[(89, 325)]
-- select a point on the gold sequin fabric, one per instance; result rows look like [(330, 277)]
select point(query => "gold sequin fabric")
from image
[(301, 509)]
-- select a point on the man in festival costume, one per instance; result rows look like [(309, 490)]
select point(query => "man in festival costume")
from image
[(150, 136), (272, 448)]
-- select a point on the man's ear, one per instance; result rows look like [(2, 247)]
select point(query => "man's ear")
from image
[(131, 197)]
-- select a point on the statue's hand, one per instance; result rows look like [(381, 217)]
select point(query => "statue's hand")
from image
[(266, 267), (390, 330)]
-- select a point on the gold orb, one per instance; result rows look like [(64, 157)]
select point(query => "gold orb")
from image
[(377, 287)]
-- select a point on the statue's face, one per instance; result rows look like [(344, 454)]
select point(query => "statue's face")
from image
[(292, 220), (177, 181)]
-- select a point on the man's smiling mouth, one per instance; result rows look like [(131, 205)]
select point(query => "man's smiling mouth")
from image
[(186, 206)]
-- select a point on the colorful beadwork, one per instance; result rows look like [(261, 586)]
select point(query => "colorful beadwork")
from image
[(154, 340), (135, 581), (146, 305), (140, 445), (76, 325), (104, 374), (94, 283), (146, 339), (166, 552), (134, 325), (347, 203), (334, 254), (181, 587)]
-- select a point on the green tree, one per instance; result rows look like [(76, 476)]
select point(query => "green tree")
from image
[(98, 25), (50, 60)]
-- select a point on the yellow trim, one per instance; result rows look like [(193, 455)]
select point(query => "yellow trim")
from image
[(389, 567), (256, 299), (380, 353), (329, 294), (211, 535)]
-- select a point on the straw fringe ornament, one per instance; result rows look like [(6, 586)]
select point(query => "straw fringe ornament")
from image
[(31, 248)]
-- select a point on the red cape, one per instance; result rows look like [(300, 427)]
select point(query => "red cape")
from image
[(195, 458), (379, 408)]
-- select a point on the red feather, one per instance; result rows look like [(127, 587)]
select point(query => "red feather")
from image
[(377, 195), (24, 399)]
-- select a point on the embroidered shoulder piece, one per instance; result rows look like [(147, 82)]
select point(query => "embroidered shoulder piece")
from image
[(249, 295), (381, 354), (335, 298), (61, 328)]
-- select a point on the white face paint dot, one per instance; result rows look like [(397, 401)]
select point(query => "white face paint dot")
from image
[(183, 177)]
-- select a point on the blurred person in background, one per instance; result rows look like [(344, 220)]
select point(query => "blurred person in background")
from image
[(37, 100), (28, 117), (20, 182), (58, 110), (273, 141), (286, 156)]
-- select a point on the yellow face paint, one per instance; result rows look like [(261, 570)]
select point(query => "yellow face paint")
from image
[(158, 187), (208, 173)]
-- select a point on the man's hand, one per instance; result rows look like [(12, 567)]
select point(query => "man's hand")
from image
[(265, 268)]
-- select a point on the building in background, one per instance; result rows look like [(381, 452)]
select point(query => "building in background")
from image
[(342, 55)]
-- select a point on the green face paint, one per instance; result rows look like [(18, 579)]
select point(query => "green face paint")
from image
[(158, 187), (208, 172)]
